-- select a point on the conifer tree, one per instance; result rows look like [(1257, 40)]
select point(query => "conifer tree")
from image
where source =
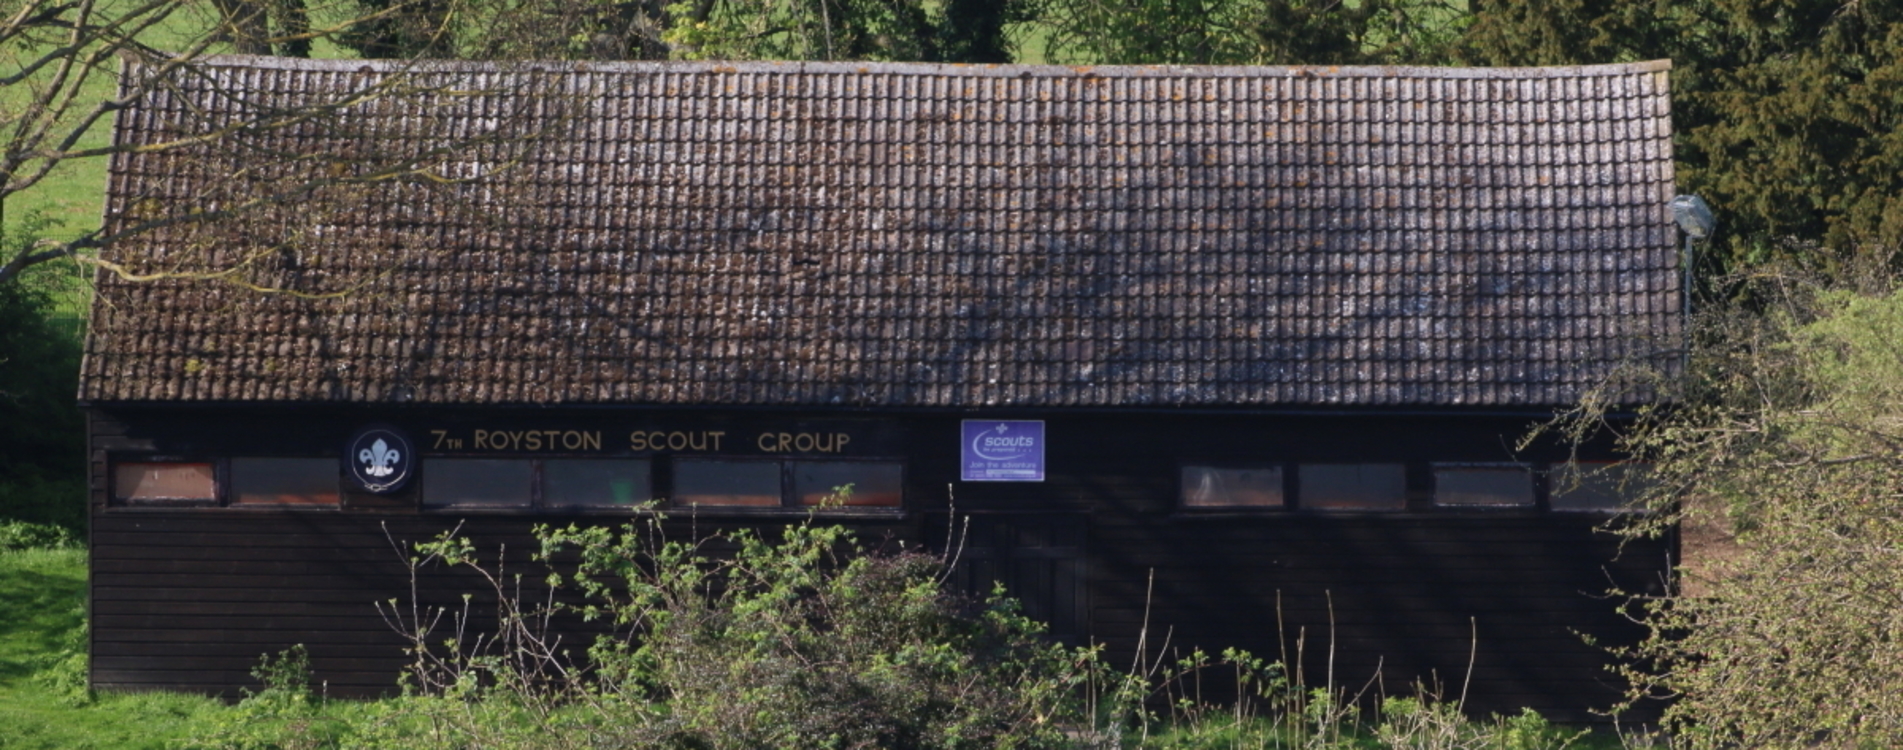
[(1787, 112)]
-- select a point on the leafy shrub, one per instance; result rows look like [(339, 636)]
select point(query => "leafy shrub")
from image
[(23, 535), (1781, 464), (42, 437), (807, 641), (1422, 723), (1279, 710)]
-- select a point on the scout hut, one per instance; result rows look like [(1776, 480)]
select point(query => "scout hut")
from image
[(1245, 351)]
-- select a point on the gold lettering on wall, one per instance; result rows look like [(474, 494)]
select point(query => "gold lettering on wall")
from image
[(676, 440), (533, 441), (639, 441), (803, 442)]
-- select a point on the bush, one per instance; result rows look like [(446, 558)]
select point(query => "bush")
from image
[(42, 436), (1781, 463), (808, 641), (22, 535)]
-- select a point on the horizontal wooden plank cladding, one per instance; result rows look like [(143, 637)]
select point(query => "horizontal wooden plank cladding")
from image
[(1513, 623), (1403, 594), (1412, 596), (192, 599), (1420, 528), (369, 683), (106, 595), (325, 650)]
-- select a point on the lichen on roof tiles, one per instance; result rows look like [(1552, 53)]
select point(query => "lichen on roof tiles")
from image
[(898, 235)]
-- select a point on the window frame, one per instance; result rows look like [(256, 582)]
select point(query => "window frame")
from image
[(661, 490), (670, 499), (1536, 487), (228, 490), (1553, 473), (1284, 468), (1406, 504), (1420, 488), (220, 481), (790, 504), (224, 492), (539, 493), (789, 485), (532, 503)]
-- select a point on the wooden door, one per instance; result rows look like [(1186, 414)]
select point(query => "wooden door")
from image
[(1039, 558)]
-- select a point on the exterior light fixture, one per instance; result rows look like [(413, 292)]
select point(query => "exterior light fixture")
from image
[(1695, 220), (1693, 216)]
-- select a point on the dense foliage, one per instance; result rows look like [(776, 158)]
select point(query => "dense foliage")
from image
[(738, 641), (1786, 111), (955, 31), (805, 641), (42, 438), (1238, 32), (1781, 466)]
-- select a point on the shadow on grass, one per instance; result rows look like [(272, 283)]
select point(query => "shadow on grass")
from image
[(42, 606)]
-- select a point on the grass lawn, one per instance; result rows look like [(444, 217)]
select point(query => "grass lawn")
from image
[(43, 703)]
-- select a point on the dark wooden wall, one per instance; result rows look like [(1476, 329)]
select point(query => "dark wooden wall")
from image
[(189, 598)]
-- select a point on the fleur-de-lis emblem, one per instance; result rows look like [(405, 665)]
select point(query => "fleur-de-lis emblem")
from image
[(378, 457)]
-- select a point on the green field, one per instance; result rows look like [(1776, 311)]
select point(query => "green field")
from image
[(43, 701)]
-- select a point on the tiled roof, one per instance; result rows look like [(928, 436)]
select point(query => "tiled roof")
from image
[(899, 235)]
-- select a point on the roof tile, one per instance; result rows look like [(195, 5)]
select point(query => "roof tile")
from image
[(899, 235)]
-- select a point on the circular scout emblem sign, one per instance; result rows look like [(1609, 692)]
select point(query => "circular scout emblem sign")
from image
[(380, 459)]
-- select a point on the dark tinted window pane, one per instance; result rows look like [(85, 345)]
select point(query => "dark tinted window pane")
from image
[(476, 482), (284, 481), (753, 484), (1483, 486), (873, 484), (596, 483), (1210, 487), (1601, 487), (147, 482), (1353, 486)]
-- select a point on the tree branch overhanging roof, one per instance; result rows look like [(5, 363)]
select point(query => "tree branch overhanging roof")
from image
[(836, 234)]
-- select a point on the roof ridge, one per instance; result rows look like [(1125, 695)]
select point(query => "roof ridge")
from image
[(975, 70)]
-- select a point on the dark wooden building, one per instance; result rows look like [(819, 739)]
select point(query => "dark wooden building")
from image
[(1249, 349)]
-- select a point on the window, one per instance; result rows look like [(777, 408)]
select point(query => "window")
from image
[(1212, 487), (744, 483), (596, 483), (165, 483), (869, 484), (747, 484), (1352, 486), (1483, 485), (521, 484), (1596, 486), (288, 482), (477, 482)]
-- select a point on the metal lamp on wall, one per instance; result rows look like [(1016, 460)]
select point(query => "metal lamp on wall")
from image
[(1694, 218)]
